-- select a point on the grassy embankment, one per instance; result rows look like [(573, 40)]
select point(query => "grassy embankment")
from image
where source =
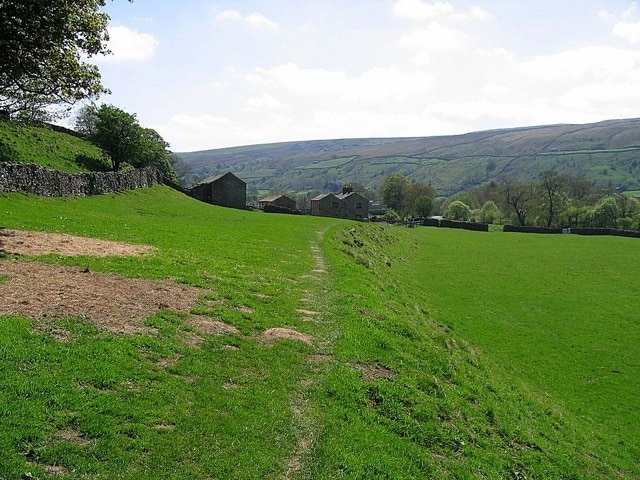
[(436, 353), (26, 144)]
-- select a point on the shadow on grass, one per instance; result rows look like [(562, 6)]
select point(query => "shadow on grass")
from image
[(93, 164)]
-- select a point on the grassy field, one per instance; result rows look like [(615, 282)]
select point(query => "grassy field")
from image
[(434, 354)]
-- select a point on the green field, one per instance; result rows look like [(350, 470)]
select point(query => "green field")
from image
[(435, 353)]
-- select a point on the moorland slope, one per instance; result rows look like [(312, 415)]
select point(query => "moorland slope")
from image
[(606, 153)]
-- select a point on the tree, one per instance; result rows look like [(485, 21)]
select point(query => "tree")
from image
[(420, 199), (458, 210), (406, 198), (423, 206), (120, 135), (605, 213), (489, 213), (394, 191), (43, 45), (552, 185), (520, 197), (114, 130)]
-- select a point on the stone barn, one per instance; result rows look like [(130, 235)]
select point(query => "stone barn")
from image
[(326, 205), (348, 204), (277, 202), (224, 189), (354, 205)]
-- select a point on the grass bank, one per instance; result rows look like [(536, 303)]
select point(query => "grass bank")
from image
[(21, 143)]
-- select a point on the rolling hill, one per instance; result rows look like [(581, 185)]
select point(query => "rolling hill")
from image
[(607, 153)]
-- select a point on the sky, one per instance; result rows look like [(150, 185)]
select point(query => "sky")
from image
[(213, 73)]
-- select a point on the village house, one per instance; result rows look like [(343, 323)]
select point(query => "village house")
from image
[(354, 205), (275, 203), (348, 204), (224, 189), (326, 205)]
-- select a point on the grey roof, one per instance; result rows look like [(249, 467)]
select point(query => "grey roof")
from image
[(215, 178), (273, 198), (321, 196)]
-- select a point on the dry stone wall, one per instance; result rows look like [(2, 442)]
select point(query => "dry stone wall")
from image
[(37, 180)]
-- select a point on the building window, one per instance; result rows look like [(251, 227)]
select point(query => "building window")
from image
[(359, 205), (335, 204)]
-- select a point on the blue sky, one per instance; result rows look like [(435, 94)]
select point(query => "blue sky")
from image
[(212, 74)]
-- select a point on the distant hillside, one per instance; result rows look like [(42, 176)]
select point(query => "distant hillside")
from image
[(55, 149), (607, 153)]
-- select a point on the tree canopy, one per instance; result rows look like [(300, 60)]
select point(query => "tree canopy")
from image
[(43, 45), (404, 197), (121, 137)]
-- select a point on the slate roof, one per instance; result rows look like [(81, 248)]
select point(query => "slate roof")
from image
[(272, 198), (215, 178), (321, 196)]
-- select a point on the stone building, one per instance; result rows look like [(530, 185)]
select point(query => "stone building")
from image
[(354, 205), (274, 203), (326, 205), (224, 189), (349, 205)]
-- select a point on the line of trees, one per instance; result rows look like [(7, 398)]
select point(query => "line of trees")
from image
[(554, 200)]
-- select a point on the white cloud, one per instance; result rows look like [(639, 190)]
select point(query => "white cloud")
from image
[(384, 87), (255, 19), (263, 102), (421, 10), (582, 64), (629, 31), (434, 38), (128, 45)]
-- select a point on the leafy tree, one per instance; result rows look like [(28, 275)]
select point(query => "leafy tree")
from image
[(458, 210), (406, 198), (43, 45), (605, 213), (423, 206), (114, 130), (421, 199), (489, 213), (391, 216), (394, 192), (120, 135)]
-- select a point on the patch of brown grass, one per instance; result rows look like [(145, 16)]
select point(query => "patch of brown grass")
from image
[(19, 242), (115, 303)]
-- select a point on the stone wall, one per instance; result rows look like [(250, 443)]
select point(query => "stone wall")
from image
[(37, 180)]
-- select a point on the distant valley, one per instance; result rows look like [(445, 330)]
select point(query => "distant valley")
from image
[(606, 153)]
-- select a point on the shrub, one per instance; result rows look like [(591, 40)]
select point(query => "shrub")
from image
[(458, 210), (489, 213), (390, 216)]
